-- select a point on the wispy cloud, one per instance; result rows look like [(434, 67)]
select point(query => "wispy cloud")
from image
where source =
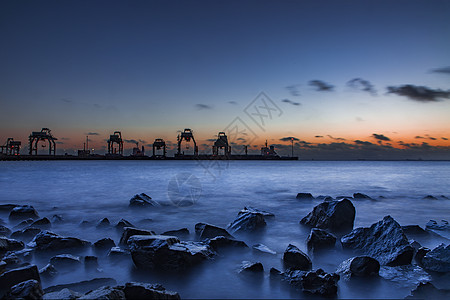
[(319, 136), (201, 106), (293, 90), (362, 85), (380, 137), (92, 133), (289, 138), (365, 143), (291, 102), (419, 93), (232, 102), (336, 138), (444, 70), (321, 86)]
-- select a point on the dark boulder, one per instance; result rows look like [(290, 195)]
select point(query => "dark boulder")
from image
[(384, 241), (118, 253), (49, 271), (23, 224), (319, 282), (333, 215), (249, 209), (320, 239), (15, 276), (29, 289), (105, 292), (361, 196), (208, 231), (275, 273), (221, 242), (23, 212), (359, 266), (64, 294), (65, 262), (248, 266), (10, 245), (438, 259), (179, 233), (57, 219), (123, 223), (405, 276), (43, 223), (430, 197), (6, 208), (305, 196), (263, 249), (248, 221), (294, 258), (4, 231), (105, 243), (167, 252), (130, 231), (49, 241), (429, 291), (26, 234), (139, 290), (143, 200), (82, 286), (420, 254), (103, 223)]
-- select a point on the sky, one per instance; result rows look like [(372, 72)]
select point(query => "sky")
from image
[(334, 79)]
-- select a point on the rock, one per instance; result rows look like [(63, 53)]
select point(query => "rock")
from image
[(319, 282), (4, 231), (3, 266), (57, 219), (64, 294), (263, 248), (130, 231), (143, 200), (333, 215), (49, 241), (43, 223), (384, 241), (415, 244), (361, 196), (166, 252), (248, 266), (359, 266), (65, 262), (103, 223), (139, 290), (85, 224), (430, 197), (294, 277), (90, 262), (415, 230), (105, 243), (83, 286), (23, 224), (438, 259), (249, 209), (405, 276), (49, 271), (247, 222), (221, 242), (6, 208), (428, 291), (305, 196), (23, 212), (319, 239), (15, 276), (26, 234), (180, 233), (10, 245), (123, 223), (420, 254), (294, 258), (275, 273), (432, 224), (30, 289), (208, 231), (105, 292), (117, 252)]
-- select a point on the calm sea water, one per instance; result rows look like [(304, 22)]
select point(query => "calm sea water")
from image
[(92, 190)]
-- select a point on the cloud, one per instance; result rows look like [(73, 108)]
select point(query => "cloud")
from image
[(319, 136), (289, 138), (419, 137), (444, 138), (419, 93), (365, 143), (92, 133), (336, 139), (444, 70), (293, 90), (133, 141), (380, 137), (430, 137), (211, 140), (291, 102), (64, 139), (362, 85), (66, 100), (232, 102), (202, 106), (359, 119), (321, 86)]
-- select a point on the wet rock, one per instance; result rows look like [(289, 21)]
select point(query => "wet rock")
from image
[(221, 242), (15, 276), (30, 289), (359, 266), (249, 209), (438, 259), (6, 208), (4, 231), (420, 254), (7, 244), (90, 262), (83, 286), (23, 224), (405, 276), (139, 290), (384, 241), (66, 262), (43, 223), (167, 252), (12, 260), (23, 212), (57, 219), (103, 223), (130, 231), (294, 277), (123, 223), (361, 196), (3, 266), (85, 224), (428, 291), (320, 239), (105, 292), (275, 273), (295, 259), (180, 233), (117, 252), (49, 271), (208, 231), (26, 234), (432, 224), (263, 248), (320, 283), (415, 244), (333, 215), (49, 241), (64, 294), (304, 196), (415, 230), (248, 266), (430, 197), (105, 243), (247, 222), (142, 200)]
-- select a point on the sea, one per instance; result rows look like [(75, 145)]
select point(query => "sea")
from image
[(214, 192)]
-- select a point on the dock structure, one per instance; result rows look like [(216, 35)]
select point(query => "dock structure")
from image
[(221, 143), (186, 135), (11, 147), (158, 146), (115, 139), (43, 135)]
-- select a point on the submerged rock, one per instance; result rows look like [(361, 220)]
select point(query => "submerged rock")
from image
[(57, 219), (221, 242), (105, 243), (305, 196), (428, 291), (66, 262), (43, 223), (15, 276), (320, 283), (438, 259), (117, 252), (248, 266), (384, 241), (319, 239), (420, 254), (143, 200), (180, 233), (6, 208), (10, 245), (294, 258), (359, 266), (263, 249), (333, 215), (23, 212), (430, 197), (30, 289), (4, 231), (105, 292), (361, 196), (90, 262), (103, 223), (123, 223), (82, 286), (249, 209), (49, 271), (62, 294), (248, 221), (405, 276), (49, 241), (139, 290), (130, 231), (26, 234), (208, 231)]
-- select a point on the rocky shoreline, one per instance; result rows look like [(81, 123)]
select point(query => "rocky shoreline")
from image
[(385, 249)]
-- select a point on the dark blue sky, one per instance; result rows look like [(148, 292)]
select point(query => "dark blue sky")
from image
[(144, 67)]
